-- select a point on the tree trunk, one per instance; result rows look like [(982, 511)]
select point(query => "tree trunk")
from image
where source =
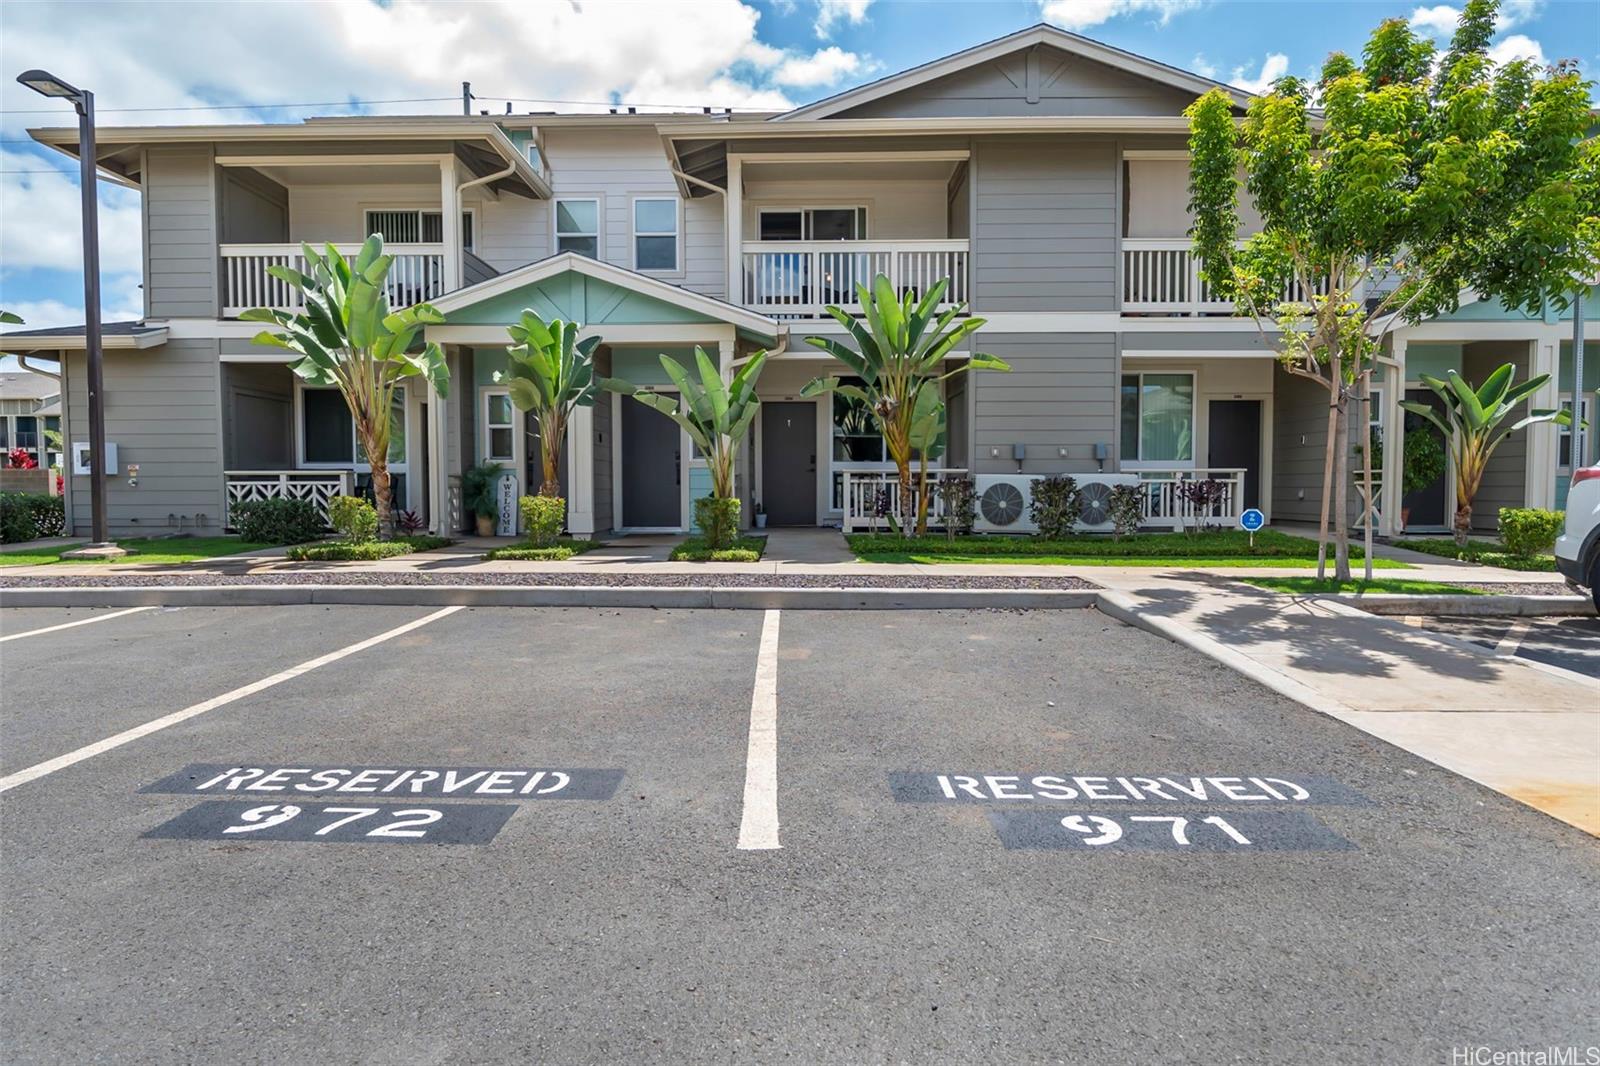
[(1341, 492), (1327, 487), (550, 457), (908, 506), (1364, 417), (384, 500), (922, 495), (1463, 525)]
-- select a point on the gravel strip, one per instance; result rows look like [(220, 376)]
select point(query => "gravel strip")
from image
[(1518, 588), (807, 581)]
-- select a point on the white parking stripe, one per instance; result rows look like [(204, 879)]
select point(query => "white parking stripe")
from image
[(758, 830), (1513, 639), (22, 777), (79, 622)]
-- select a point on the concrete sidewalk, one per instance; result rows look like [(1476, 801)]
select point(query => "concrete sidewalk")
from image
[(1524, 732)]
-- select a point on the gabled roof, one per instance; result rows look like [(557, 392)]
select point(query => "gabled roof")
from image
[(983, 53), (112, 335), (631, 280)]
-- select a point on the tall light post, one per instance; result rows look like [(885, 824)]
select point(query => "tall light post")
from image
[(46, 84)]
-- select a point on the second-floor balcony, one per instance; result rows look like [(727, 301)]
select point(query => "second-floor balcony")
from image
[(799, 279), (416, 275), (1161, 276)]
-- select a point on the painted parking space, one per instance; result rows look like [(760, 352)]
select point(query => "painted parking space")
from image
[(72, 687), (997, 832)]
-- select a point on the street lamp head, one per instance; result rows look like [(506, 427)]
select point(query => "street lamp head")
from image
[(47, 84)]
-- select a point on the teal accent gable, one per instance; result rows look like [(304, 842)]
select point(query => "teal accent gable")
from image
[(1591, 311), (1431, 359), (1496, 311), (485, 362), (642, 366), (576, 297)]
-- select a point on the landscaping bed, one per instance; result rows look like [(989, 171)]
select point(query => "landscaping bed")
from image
[(1207, 548), (1306, 585), (160, 550), (564, 549), (1482, 552), (744, 550), (364, 551)]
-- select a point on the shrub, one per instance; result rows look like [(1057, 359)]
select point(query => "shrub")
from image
[(718, 519), (1056, 505), (1423, 460), (1529, 531), (1126, 507), (365, 551), (554, 553), (355, 519), (478, 489), (276, 521), (1200, 497), (542, 517), (21, 459), (959, 496), (408, 523), (30, 515), (698, 550)]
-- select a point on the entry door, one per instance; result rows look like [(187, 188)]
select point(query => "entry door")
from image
[(1426, 506), (1234, 442), (651, 471), (789, 463)]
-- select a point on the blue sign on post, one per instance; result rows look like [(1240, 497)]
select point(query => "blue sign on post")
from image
[(1252, 519)]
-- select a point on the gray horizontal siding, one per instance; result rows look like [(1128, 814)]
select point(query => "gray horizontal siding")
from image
[(163, 411), (1060, 393), (180, 220), (1044, 230), (1234, 340)]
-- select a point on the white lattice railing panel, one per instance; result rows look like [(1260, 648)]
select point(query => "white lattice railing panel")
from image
[(316, 487), (870, 497), (1161, 275), (1166, 506), (798, 279), (416, 274)]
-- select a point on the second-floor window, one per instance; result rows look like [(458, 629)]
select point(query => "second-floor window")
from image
[(578, 227), (655, 234), (812, 224), (418, 226)]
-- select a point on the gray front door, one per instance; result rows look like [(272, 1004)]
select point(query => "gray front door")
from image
[(1235, 443), (650, 468), (789, 463)]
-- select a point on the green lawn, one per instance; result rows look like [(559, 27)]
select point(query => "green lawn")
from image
[(1210, 548), (1483, 552), (1381, 584), (744, 550), (165, 550)]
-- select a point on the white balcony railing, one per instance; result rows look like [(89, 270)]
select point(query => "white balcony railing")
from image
[(872, 496), (417, 274), (1167, 507), (316, 487), (1161, 275), (797, 279)]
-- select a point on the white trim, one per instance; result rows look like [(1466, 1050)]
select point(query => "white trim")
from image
[(634, 233), (805, 208), (599, 201), (947, 155), (614, 335), (368, 207), (1171, 155), (983, 53), (1132, 465), (485, 393), (12, 343), (1189, 353)]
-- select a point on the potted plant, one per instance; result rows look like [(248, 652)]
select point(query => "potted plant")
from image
[(1422, 465), (478, 495), (761, 515)]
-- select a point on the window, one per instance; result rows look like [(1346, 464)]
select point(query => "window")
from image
[(419, 226), (27, 433), (812, 224), (1564, 439), (655, 234), (856, 442), (1157, 420), (578, 227), (328, 433), (499, 428)]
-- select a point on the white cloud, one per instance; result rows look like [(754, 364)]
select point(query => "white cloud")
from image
[(1203, 66), (40, 225), (1081, 14), (1440, 20), (1517, 46), (832, 12), (119, 302), (824, 67), (1273, 67)]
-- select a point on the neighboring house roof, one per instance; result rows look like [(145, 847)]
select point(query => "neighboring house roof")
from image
[(983, 53), (632, 281), (21, 385), (55, 338)]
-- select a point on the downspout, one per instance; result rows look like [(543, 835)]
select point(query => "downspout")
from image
[(55, 375), (474, 183)]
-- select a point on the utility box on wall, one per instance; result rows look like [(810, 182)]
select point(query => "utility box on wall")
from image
[(81, 457)]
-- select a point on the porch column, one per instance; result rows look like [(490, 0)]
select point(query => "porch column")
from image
[(450, 217), (438, 472), (1393, 441), (580, 478), (733, 204), (1539, 479)]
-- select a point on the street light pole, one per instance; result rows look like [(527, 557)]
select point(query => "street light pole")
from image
[(47, 84)]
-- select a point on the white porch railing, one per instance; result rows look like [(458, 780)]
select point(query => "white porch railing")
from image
[(872, 496), (1165, 506), (314, 486), (1161, 275), (417, 274), (797, 279)]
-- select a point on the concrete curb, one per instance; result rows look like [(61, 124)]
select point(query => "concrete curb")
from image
[(739, 598), (1494, 605)]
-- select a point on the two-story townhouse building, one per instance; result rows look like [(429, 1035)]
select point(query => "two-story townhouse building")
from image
[(1044, 173)]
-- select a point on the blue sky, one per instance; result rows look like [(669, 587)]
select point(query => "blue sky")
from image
[(206, 61)]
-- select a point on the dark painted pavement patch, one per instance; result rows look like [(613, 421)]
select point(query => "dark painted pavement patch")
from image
[(445, 823), (975, 787), (390, 782), (1237, 831)]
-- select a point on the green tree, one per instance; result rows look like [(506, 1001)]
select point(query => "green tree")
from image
[(1471, 424), (1414, 185), (898, 353), (550, 374), (348, 338)]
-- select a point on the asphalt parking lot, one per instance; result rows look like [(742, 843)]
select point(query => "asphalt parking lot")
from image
[(1570, 643), (549, 835)]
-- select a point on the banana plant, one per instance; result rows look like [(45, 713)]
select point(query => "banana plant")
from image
[(899, 346), (1471, 422), (714, 415), (348, 338), (550, 374)]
